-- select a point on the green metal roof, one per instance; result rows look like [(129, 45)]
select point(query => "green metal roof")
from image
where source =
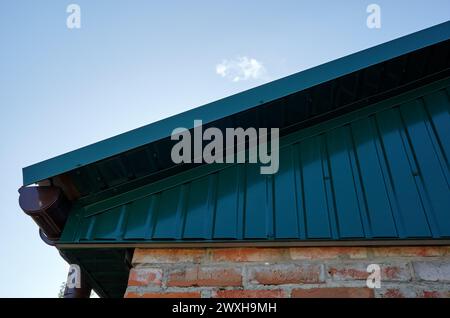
[(238, 103), (378, 173)]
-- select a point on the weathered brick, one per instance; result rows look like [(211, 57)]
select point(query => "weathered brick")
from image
[(195, 294), (250, 294), (409, 251), (205, 276), (433, 294), (204, 267), (337, 292), (391, 293), (145, 277), (433, 271), (285, 274), (176, 255), (413, 291), (249, 254), (358, 271), (310, 253)]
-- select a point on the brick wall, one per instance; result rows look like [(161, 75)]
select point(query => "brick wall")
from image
[(289, 272)]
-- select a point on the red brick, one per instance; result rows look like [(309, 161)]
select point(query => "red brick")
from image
[(145, 277), (205, 276), (285, 274), (309, 253), (175, 255), (433, 294), (338, 292), (409, 251), (345, 273), (250, 294), (249, 254), (358, 271), (393, 293), (430, 294), (390, 273), (163, 295)]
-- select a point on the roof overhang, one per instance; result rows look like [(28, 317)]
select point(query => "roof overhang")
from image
[(140, 156)]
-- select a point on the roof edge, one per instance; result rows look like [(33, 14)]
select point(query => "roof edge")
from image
[(236, 103)]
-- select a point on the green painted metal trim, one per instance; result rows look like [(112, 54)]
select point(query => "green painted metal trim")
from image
[(251, 243), (236, 103), (81, 211)]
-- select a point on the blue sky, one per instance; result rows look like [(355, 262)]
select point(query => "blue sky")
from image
[(135, 62)]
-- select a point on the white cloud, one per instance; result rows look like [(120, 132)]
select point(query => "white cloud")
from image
[(241, 69)]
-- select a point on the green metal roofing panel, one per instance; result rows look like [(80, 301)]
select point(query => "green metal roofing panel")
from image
[(378, 173), (236, 103)]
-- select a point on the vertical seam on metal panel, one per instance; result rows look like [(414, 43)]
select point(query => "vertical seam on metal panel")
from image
[(241, 188), (270, 214), (211, 206), (293, 175), (357, 183), (387, 177), (76, 233), (437, 143), (301, 211), (149, 221), (333, 221), (121, 223), (181, 210), (91, 228), (417, 175), (155, 211), (213, 232)]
